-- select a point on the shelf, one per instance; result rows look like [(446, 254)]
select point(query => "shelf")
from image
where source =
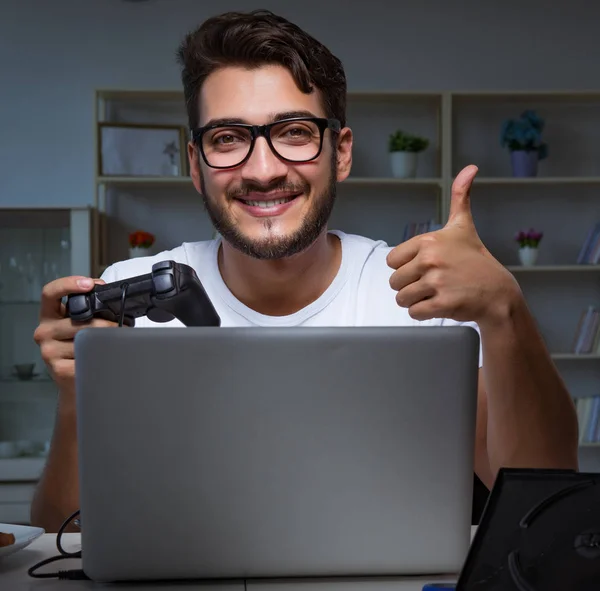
[(575, 356), (186, 180), (110, 94), (41, 379), (22, 469), (559, 180), (20, 303), (554, 269), (519, 97), (365, 180), (141, 180)]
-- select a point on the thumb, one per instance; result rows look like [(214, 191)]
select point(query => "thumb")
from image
[(460, 200)]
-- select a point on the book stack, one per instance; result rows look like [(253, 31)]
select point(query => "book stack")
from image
[(590, 251), (588, 415), (413, 229), (587, 337)]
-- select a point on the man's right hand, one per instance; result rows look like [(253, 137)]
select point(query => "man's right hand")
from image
[(56, 331)]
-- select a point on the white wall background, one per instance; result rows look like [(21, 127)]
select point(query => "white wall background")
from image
[(54, 53)]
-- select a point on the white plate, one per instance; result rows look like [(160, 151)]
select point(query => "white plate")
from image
[(24, 535)]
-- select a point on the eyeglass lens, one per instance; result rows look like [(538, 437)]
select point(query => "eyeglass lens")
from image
[(293, 140)]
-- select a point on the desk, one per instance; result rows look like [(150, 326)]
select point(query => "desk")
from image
[(14, 577)]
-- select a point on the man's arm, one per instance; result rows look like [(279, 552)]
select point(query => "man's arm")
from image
[(57, 493), (526, 418)]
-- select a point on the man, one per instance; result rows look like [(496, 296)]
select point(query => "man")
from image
[(266, 106)]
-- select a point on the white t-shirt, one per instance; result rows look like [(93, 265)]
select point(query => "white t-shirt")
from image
[(359, 295)]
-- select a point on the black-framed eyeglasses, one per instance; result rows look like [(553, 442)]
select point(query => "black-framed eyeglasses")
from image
[(297, 139)]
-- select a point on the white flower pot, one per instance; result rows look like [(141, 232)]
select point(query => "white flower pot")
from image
[(171, 170), (138, 251), (528, 256), (404, 164)]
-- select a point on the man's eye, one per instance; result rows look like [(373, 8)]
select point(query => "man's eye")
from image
[(225, 139)]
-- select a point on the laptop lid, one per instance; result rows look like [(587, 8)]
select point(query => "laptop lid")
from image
[(275, 452)]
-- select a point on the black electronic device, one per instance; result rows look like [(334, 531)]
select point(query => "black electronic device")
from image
[(540, 531), (171, 290)]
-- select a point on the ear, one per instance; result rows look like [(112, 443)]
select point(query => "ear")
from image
[(344, 153), (195, 170)]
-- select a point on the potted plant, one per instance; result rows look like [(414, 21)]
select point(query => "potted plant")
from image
[(523, 138), (404, 149), (528, 246), (140, 243)]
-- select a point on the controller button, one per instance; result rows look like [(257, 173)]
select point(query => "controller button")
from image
[(163, 284), (78, 304), (162, 265)]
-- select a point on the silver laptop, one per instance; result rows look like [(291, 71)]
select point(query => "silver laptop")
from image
[(237, 453)]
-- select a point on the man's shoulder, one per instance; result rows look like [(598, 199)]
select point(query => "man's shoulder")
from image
[(367, 257), (364, 250), (188, 253)]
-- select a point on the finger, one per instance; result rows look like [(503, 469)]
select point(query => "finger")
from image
[(414, 293), (460, 200), (53, 351), (63, 372), (425, 309), (406, 274), (65, 329), (403, 253), (53, 292)]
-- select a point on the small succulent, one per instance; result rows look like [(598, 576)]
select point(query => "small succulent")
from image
[(406, 142)]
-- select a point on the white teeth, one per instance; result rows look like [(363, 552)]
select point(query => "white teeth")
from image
[(269, 203)]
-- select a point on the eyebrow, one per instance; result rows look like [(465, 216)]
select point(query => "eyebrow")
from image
[(272, 118)]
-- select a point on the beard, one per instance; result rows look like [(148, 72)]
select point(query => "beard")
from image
[(274, 247)]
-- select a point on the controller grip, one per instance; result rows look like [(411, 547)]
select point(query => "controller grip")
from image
[(83, 307), (78, 307), (193, 307)]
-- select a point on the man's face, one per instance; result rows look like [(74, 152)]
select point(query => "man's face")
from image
[(266, 207)]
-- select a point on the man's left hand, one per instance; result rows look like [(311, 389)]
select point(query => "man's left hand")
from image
[(449, 273)]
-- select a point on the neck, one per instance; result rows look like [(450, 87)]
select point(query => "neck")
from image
[(284, 286)]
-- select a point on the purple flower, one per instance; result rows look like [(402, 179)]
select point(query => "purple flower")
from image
[(519, 236), (530, 238)]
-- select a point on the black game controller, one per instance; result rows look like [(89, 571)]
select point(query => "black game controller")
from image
[(172, 290)]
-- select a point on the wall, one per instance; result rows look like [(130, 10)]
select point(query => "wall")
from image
[(54, 53)]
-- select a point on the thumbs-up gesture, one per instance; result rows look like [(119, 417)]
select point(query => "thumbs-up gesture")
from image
[(450, 273)]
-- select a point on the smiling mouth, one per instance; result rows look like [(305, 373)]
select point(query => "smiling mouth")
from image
[(269, 203)]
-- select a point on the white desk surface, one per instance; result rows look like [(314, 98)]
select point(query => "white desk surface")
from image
[(14, 577)]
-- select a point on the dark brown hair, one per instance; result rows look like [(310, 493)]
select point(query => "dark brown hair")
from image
[(257, 38)]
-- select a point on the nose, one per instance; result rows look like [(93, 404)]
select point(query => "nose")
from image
[(263, 167)]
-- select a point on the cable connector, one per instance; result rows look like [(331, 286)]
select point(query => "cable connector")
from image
[(73, 575)]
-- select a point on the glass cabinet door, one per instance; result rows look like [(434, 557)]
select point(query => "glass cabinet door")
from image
[(36, 246)]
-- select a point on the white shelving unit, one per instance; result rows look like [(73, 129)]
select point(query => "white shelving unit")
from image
[(463, 128), (36, 246)]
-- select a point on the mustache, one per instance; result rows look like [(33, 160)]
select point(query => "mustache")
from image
[(250, 187)]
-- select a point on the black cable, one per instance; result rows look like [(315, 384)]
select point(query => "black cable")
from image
[(124, 288), (74, 574)]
